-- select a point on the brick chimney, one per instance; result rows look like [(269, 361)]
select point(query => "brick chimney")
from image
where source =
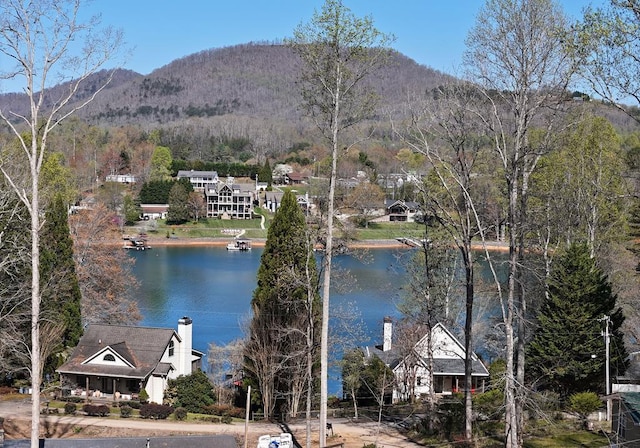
[(387, 333)]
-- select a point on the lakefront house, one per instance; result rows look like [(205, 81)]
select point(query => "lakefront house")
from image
[(117, 362), (412, 372)]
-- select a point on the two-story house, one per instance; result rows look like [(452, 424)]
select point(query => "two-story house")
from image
[(200, 180), (412, 371)]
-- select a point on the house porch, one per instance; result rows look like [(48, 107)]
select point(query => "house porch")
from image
[(101, 387)]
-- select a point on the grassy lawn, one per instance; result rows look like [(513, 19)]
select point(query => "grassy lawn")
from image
[(391, 230), (217, 228), (583, 439)]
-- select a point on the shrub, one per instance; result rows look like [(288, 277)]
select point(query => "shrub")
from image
[(180, 414), (584, 403), (226, 419), (489, 405), (4, 390), (193, 392), (74, 399), (155, 411), (132, 404), (70, 408), (99, 410), (144, 396), (125, 411)]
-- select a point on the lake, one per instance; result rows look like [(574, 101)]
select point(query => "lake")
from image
[(214, 287)]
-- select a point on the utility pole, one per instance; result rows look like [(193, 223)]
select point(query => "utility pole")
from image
[(606, 368)]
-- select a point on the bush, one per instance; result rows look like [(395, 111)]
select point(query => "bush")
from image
[(74, 399), (155, 411), (4, 390), (489, 405), (132, 404), (180, 414), (144, 396), (70, 408), (193, 392), (226, 419), (125, 411), (224, 409), (99, 410), (584, 403)]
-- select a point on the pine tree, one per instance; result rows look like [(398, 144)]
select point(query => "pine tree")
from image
[(61, 295), (178, 211), (285, 308), (567, 353)]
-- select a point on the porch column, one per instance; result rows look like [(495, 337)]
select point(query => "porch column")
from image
[(115, 395), (86, 388)]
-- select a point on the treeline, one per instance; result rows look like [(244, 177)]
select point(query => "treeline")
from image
[(232, 169)]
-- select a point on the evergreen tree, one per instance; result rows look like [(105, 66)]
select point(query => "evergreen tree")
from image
[(131, 210), (285, 309), (61, 297), (178, 201), (265, 174), (567, 353)]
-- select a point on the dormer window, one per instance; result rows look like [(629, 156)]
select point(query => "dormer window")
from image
[(109, 357), (171, 348)]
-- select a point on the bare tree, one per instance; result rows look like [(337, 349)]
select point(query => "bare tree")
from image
[(225, 361), (48, 44), (338, 52), (103, 269), (14, 290), (515, 54), (445, 130), (606, 41)]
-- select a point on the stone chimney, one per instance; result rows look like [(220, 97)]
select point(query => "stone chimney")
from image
[(387, 333), (185, 330)]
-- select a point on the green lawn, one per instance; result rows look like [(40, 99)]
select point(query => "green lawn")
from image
[(390, 230), (217, 228)]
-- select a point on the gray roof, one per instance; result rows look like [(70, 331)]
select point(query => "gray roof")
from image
[(441, 366), (142, 347), (191, 173), (215, 441)]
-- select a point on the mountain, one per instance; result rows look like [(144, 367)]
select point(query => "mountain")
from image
[(251, 80)]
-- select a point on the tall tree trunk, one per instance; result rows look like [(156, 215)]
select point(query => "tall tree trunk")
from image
[(468, 343), (36, 362)]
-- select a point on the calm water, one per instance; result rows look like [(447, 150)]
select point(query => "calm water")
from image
[(214, 287)]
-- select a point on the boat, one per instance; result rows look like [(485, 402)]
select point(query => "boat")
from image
[(136, 243), (240, 244)]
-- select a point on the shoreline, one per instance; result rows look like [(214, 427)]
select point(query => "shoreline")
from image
[(260, 242)]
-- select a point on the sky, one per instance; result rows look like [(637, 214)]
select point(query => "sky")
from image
[(431, 32)]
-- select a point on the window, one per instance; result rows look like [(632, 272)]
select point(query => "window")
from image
[(171, 348), (419, 381), (109, 357)]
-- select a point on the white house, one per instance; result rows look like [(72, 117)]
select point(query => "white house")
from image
[(200, 180), (117, 362), (412, 372)]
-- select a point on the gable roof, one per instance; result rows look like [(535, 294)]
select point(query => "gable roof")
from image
[(446, 360), (141, 347)]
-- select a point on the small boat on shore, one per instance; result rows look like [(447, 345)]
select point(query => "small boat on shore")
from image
[(240, 244)]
